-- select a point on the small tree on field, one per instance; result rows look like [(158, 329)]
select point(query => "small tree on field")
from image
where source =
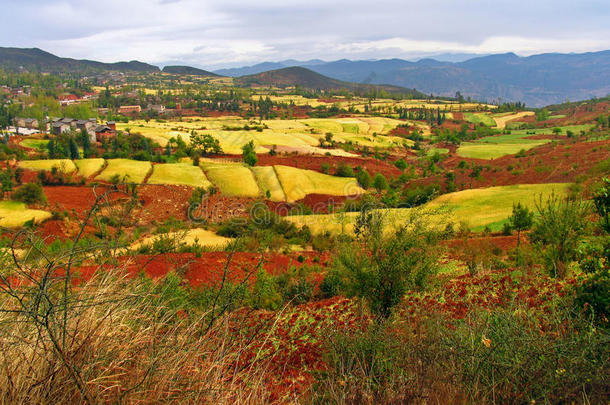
[(558, 229), (522, 219), (249, 154), (205, 144), (380, 182)]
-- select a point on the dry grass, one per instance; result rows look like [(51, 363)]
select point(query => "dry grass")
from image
[(124, 346)]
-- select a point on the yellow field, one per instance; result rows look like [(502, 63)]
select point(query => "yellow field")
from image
[(302, 136), (232, 179), (178, 173), (88, 167), (297, 183), (132, 171), (64, 165), (478, 208), (197, 236), (503, 119), (15, 214), (268, 181)]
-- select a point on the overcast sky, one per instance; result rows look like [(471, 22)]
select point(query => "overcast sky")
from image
[(214, 33)]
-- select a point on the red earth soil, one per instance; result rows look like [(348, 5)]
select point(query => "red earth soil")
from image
[(549, 163), (212, 267), (311, 162)]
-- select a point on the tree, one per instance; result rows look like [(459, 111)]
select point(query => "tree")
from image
[(364, 179), (379, 268), (30, 193), (522, 219), (249, 154), (558, 229), (205, 144), (74, 153), (380, 182)]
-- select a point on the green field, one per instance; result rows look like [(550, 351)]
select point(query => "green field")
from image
[(15, 214), (88, 167), (65, 165), (197, 236), (478, 208), (492, 147), (34, 143), (480, 118), (133, 171), (180, 174)]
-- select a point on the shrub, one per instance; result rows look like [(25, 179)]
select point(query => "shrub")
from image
[(344, 170), (560, 226), (30, 193), (401, 164), (379, 182), (364, 179), (593, 298)]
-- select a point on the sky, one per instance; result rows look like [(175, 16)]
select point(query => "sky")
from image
[(229, 33)]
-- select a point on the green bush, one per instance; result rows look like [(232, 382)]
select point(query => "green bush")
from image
[(30, 193), (593, 297)]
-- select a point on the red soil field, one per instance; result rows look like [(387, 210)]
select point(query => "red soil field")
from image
[(549, 163), (209, 269), (311, 162)]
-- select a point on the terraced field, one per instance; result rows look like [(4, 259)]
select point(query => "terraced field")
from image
[(64, 165), (179, 174), (478, 208), (190, 237), (302, 136), (130, 170), (279, 183), (88, 167)]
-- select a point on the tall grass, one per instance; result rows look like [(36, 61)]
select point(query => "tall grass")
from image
[(122, 346)]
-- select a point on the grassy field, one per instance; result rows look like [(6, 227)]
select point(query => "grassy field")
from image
[(197, 236), (15, 214), (88, 167), (34, 143), (492, 147), (480, 118), (478, 208), (65, 165), (178, 173), (232, 179), (268, 181), (133, 171), (297, 183)]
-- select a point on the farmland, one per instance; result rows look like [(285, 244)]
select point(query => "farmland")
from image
[(263, 241), (15, 214), (477, 208), (501, 145)]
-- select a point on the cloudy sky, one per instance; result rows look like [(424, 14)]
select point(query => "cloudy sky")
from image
[(222, 33)]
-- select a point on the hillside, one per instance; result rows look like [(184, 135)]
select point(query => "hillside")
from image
[(537, 80), (34, 59), (188, 70), (306, 78)]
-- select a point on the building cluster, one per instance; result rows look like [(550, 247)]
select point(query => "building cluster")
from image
[(96, 131)]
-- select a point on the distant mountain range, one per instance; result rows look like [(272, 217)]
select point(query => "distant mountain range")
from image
[(34, 59), (306, 78), (537, 80)]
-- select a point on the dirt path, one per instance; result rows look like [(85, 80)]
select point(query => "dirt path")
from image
[(502, 121)]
